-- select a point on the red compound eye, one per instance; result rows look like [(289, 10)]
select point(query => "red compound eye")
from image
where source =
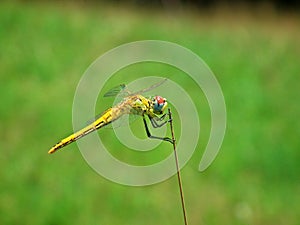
[(160, 100), (158, 103)]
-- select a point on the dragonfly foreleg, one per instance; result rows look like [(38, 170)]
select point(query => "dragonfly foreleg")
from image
[(155, 120), (161, 118), (154, 137)]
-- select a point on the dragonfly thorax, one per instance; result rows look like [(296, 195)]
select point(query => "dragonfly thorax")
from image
[(159, 104)]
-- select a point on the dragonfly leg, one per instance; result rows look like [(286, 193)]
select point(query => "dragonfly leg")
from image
[(155, 123), (154, 137), (161, 118)]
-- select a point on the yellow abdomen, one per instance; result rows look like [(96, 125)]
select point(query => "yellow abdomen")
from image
[(105, 119)]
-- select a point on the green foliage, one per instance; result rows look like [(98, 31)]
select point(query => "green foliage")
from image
[(46, 48)]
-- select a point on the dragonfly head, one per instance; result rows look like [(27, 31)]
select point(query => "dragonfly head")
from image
[(159, 104)]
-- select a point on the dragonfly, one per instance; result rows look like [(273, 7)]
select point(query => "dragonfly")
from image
[(133, 103)]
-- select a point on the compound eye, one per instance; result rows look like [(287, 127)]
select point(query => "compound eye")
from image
[(160, 100), (158, 103)]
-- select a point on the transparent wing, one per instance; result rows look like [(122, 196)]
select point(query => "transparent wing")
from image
[(122, 121), (122, 91), (96, 117), (150, 88), (116, 90)]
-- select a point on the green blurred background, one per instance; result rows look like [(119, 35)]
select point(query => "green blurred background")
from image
[(254, 53)]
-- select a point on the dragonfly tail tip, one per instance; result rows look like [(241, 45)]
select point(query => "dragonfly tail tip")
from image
[(52, 150)]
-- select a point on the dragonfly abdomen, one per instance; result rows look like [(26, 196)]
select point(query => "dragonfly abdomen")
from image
[(104, 120)]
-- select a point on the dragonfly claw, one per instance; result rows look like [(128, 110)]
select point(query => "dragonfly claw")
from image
[(169, 140)]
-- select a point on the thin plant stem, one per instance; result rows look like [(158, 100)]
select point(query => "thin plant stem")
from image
[(177, 168)]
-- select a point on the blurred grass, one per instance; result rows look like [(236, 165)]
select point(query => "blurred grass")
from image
[(46, 48)]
